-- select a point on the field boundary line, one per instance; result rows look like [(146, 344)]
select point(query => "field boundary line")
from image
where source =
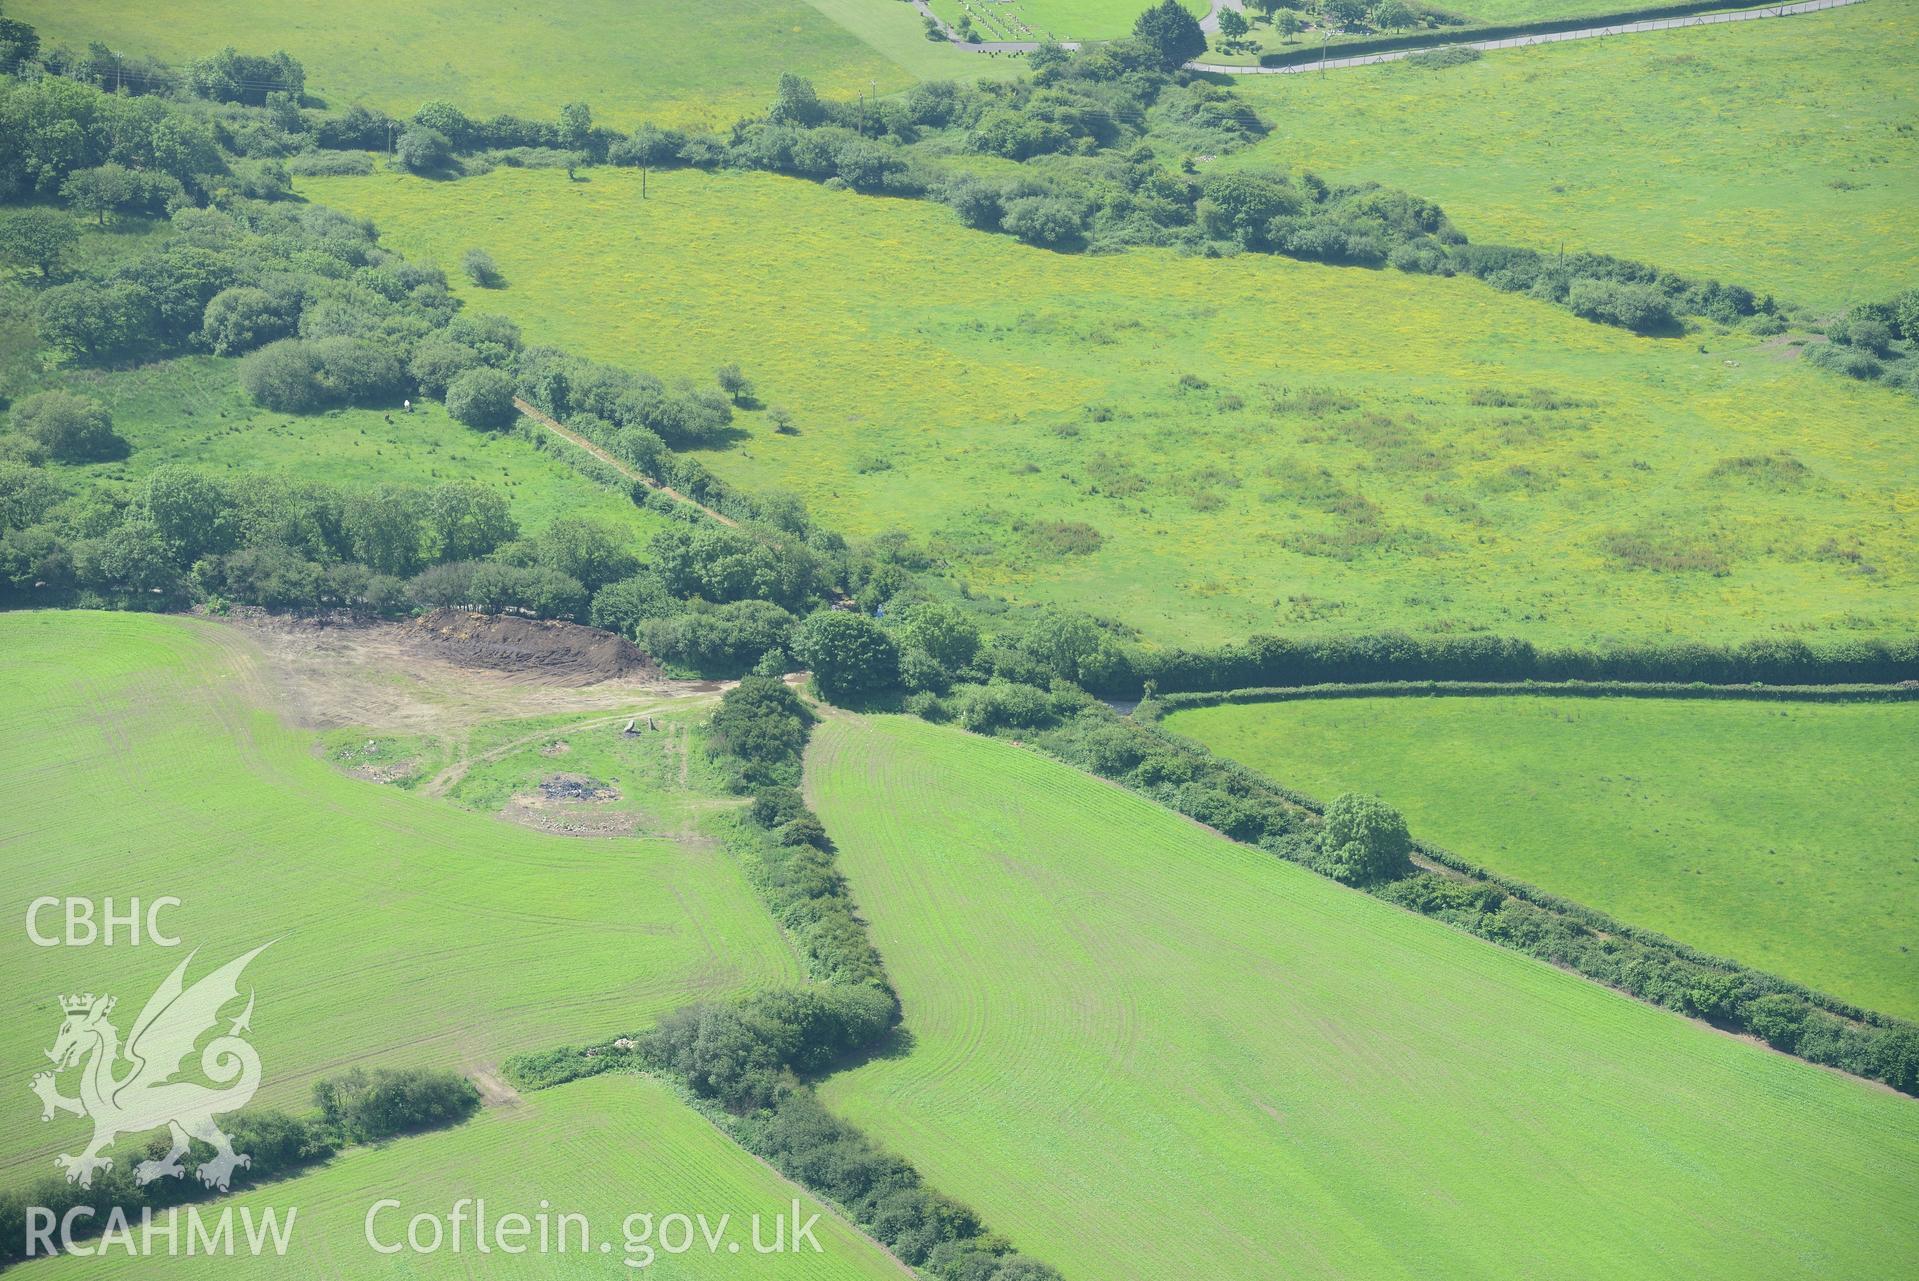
[(1550, 32), (1523, 40), (567, 434), (1440, 859), (1743, 690)]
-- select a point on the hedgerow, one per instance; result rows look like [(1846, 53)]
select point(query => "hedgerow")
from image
[(1294, 661), (359, 1106), (1184, 776), (748, 1060)]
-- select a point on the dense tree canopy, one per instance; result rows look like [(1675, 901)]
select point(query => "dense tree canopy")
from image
[(1171, 33), (1363, 840), (37, 238), (69, 428), (849, 654)]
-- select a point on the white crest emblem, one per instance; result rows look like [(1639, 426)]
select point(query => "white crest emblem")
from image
[(130, 1089)]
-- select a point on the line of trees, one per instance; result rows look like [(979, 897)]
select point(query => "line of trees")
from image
[(1114, 117), (359, 1106), (1296, 661), (321, 316), (1841, 693), (750, 1060), (1363, 842)]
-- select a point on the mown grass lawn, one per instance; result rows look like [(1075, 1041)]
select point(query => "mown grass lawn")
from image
[(1254, 443), (704, 65), (1779, 834), (1196, 1051), (1776, 154), (143, 756), (606, 1148)]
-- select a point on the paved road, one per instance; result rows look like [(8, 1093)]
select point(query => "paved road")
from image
[(1550, 37), (1211, 23)]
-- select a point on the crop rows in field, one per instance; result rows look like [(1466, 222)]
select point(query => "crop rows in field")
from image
[(143, 755), (605, 1148), (1202, 1052), (1773, 833)]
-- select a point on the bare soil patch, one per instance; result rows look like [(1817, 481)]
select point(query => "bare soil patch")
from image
[(572, 805), (327, 672), (562, 653), (576, 787), (494, 1092)]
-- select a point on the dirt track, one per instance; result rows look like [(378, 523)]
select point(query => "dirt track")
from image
[(568, 434)]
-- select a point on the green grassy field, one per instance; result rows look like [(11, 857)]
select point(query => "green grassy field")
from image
[(142, 756), (1266, 36), (703, 65), (1199, 1052), (1779, 834), (895, 30), (1111, 19), (1051, 19), (1258, 443), (1777, 154), (193, 411), (605, 1148), (649, 770)]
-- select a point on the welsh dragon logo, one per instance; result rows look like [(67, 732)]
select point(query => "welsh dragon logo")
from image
[(130, 1089)]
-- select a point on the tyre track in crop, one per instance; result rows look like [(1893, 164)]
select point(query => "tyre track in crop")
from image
[(1010, 1023)]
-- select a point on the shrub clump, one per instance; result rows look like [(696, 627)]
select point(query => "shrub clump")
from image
[(481, 397), (364, 1106), (849, 654), (296, 375), (70, 428), (1362, 841)]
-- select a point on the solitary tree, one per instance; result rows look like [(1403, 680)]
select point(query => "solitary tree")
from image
[(37, 238), (481, 397), (1171, 33), (1347, 13), (423, 150), (576, 125), (1363, 840), (797, 103), (100, 191), (1289, 25), (1232, 24), (734, 383), (480, 268), (847, 653), (1392, 15)]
